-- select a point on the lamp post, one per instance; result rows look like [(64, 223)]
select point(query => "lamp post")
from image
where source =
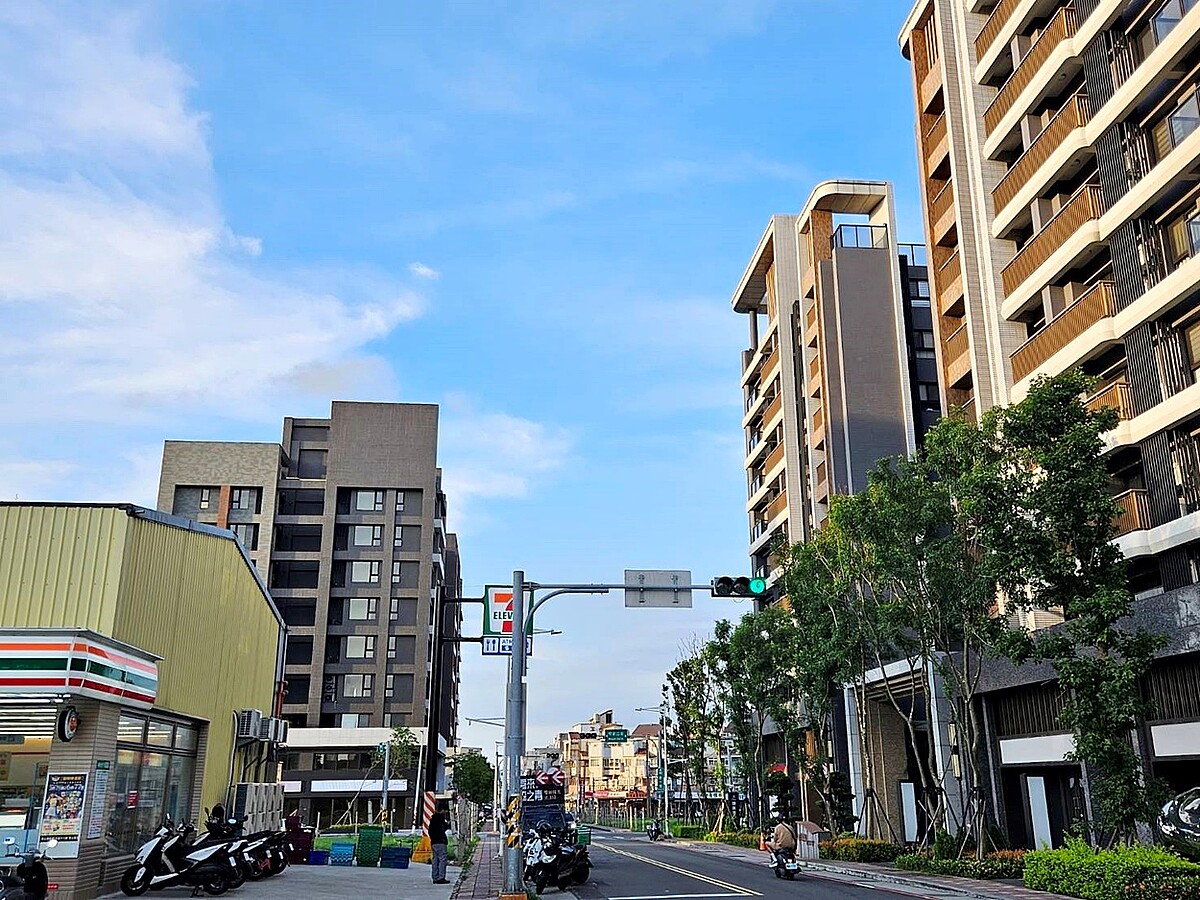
[(662, 756)]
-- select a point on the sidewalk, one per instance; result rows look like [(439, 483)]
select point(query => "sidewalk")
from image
[(887, 874), (483, 879)]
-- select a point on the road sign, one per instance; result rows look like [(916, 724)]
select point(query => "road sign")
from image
[(551, 777), (616, 736), (502, 646), (497, 611), (658, 587)]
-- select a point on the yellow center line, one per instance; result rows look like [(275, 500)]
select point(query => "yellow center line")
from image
[(708, 879)]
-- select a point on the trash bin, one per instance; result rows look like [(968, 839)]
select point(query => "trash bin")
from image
[(318, 857)]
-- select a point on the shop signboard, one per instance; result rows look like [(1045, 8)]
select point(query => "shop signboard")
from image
[(62, 813), (80, 663), (99, 796)]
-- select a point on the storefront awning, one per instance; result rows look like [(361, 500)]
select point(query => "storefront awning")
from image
[(65, 661)]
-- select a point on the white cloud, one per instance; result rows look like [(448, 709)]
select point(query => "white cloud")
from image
[(423, 271), (126, 294), (492, 456)]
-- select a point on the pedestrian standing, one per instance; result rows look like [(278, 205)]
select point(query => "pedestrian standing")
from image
[(439, 832)]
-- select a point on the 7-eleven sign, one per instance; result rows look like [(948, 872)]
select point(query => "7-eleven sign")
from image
[(498, 612)]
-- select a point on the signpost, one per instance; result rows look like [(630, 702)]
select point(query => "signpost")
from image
[(616, 736), (502, 646)]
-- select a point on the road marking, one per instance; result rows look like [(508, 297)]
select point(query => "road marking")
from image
[(738, 890), (672, 896)]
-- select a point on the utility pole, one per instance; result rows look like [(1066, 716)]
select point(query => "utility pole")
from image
[(387, 775)]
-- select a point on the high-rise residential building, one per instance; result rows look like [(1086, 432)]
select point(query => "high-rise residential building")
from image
[(346, 520), (1058, 144), (841, 368)]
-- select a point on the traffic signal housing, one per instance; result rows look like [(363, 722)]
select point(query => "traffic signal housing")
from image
[(738, 586)]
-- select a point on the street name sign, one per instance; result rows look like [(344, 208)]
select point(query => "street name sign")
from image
[(616, 736), (663, 588)]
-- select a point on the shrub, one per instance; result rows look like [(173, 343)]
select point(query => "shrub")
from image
[(859, 850), (1002, 864), (690, 832), (735, 838), (1118, 874)]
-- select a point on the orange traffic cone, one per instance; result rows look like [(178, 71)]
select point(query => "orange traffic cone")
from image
[(762, 842)]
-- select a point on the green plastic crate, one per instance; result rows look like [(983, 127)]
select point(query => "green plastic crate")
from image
[(370, 843), (583, 835)]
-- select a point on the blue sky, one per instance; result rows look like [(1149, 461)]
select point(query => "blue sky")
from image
[(531, 213)]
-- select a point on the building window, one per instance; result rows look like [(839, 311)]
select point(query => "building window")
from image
[(918, 291), (923, 344), (399, 501), (364, 572), (927, 393), (358, 685), (361, 609), (396, 572), (244, 498), (398, 540), (1191, 337), (247, 534), (205, 497), (404, 610), (366, 535), (155, 762), (368, 501), (354, 720), (360, 646), (392, 647), (389, 685)]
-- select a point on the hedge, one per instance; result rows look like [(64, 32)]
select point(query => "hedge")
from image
[(690, 832), (735, 838), (1123, 873), (860, 850), (1001, 864)]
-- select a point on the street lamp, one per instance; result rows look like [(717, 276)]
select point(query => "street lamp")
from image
[(661, 709)]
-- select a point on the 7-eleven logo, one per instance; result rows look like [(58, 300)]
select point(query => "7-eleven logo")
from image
[(499, 612)]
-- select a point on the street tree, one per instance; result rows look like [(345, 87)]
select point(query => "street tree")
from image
[(404, 752), (474, 777)]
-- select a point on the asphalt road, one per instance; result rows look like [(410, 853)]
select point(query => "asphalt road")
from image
[(630, 867)]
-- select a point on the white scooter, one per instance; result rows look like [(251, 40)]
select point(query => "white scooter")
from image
[(161, 863)]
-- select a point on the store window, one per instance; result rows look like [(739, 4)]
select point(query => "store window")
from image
[(152, 779)]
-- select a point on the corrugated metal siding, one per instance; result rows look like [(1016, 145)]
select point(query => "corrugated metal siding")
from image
[(191, 598), (60, 566)]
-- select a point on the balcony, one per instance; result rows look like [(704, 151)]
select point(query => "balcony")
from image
[(957, 357), (1058, 29), (818, 426), (772, 409), (937, 144), (931, 83), (1086, 205), (949, 285), (773, 458), (992, 27), (941, 211), (1074, 114), (1115, 396), (777, 506), (1095, 304), (1134, 514), (772, 361)]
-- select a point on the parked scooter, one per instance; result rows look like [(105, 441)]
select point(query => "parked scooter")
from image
[(166, 861), (785, 864), (27, 880), (266, 852), (560, 864), (654, 830)]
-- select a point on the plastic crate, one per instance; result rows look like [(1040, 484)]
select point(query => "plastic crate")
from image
[(395, 857), (341, 853), (318, 857), (583, 835), (370, 842)]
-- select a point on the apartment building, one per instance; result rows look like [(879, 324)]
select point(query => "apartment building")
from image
[(841, 367), (346, 521), (605, 773), (1058, 149)]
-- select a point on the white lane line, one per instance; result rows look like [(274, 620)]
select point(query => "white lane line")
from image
[(737, 890), (672, 896)]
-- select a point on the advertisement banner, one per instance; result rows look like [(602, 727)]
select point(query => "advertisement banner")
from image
[(95, 827), (62, 813)]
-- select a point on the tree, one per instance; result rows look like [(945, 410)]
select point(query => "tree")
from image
[(474, 777), (697, 718), (404, 752), (1045, 498)]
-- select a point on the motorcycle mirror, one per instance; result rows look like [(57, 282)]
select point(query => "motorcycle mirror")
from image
[(9, 841)]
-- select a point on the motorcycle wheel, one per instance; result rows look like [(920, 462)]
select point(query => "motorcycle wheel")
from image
[(778, 874), (215, 883), (132, 885), (540, 880), (580, 875), (238, 878), (278, 863), (791, 876), (256, 870)]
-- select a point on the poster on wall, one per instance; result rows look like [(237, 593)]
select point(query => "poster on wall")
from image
[(62, 813), (99, 797), (5, 766)]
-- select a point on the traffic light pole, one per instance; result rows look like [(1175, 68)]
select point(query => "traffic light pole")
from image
[(514, 710)]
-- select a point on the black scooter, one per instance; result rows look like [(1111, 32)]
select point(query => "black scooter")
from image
[(562, 865), (654, 830), (28, 880)]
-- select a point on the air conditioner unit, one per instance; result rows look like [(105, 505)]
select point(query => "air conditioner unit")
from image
[(248, 724), (281, 731), (266, 726)]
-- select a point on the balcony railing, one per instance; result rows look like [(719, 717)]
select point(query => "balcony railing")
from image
[(1134, 514), (957, 343), (861, 237), (818, 419), (992, 27), (778, 505), (1095, 304), (772, 361), (1074, 114), (772, 408), (1087, 204), (948, 276), (941, 203), (1058, 29), (773, 458), (1115, 396)]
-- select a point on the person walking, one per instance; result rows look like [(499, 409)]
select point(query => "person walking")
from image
[(439, 837)]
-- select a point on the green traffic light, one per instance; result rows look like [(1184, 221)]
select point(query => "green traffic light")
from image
[(758, 586)]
